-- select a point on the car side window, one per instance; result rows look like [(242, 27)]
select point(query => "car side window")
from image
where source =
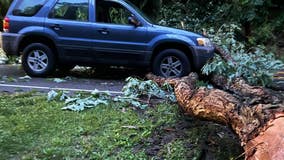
[(28, 7), (111, 12), (77, 10)]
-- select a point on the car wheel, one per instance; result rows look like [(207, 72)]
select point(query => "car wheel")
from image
[(38, 60), (171, 63)]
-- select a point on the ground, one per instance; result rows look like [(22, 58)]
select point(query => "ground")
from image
[(32, 128)]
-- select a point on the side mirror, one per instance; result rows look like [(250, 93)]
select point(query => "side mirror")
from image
[(133, 21)]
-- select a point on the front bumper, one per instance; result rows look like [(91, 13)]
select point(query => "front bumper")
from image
[(10, 42), (201, 55)]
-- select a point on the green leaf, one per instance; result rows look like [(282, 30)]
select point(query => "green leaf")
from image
[(51, 95), (59, 80)]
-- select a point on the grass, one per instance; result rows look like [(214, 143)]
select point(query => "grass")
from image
[(32, 128)]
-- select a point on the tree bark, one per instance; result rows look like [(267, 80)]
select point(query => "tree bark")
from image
[(255, 114)]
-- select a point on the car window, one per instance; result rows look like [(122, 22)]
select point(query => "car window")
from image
[(111, 12), (77, 10), (28, 7)]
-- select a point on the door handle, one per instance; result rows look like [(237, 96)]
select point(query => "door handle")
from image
[(103, 31), (56, 27)]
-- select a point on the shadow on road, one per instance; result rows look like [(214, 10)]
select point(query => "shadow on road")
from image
[(103, 73), (108, 73), (14, 79)]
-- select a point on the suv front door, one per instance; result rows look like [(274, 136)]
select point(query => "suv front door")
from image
[(117, 41)]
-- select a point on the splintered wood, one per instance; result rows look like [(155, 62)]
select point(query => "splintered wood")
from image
[(255, 114)]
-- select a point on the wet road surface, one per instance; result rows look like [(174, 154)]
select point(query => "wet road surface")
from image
[(12, 79)]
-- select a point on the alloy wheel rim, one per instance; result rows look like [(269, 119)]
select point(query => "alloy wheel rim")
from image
[(37, 60), (171, 66)]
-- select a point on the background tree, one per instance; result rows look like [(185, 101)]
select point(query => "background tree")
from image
[(150, 7)]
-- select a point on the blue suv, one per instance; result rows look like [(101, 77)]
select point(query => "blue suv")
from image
[(59, 34)]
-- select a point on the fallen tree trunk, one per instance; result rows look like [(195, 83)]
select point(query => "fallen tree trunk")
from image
[(258, 119)]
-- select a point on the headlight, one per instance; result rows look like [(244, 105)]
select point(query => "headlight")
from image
[(204, 42)]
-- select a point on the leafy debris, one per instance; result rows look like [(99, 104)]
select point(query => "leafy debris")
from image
[(134, 93), (59, 80), (25, 78), (256, 65), (5, 79), (135, 89)]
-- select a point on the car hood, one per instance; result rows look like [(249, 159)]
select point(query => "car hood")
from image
[(178, 31)]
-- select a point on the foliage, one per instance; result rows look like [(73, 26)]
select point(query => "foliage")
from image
[(260, 20), (133, 93), (148, 6), (255, 65), (176, 15), (4, 79), (136, 89), (79, 102)]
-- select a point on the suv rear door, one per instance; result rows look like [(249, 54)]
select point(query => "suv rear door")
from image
[(68, 21)]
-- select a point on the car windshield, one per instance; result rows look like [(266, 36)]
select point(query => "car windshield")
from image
[(139, 11)]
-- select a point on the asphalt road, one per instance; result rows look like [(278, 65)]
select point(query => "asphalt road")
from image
[(12, 79)]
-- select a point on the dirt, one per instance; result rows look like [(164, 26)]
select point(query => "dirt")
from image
[(204, 140)]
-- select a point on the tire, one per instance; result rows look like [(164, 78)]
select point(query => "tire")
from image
[(38, 60), (171, 63)]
